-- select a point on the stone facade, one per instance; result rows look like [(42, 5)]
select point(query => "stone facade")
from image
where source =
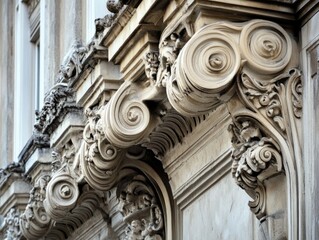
[(177, 120)]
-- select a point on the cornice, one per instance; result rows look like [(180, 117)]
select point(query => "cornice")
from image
[(248, 67)]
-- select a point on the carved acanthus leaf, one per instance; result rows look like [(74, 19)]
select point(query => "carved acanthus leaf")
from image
[(12, 225), (100, 160), (201, 77), (255, 158), (72, 64), (151, 62), (296, 90), (270, 97), (35, 222), (59, 101)]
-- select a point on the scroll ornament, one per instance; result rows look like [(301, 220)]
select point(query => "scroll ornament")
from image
[(202, 76), (98, 158), (255, 158), (126, 119), (61, 194), (35, 222), (140, 209)]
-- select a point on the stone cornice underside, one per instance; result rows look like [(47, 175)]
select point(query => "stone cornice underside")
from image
[(247, 66)]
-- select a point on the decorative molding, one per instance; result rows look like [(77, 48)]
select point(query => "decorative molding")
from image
[(255, 159), (35, 222), (171, 131), (72, 63), (220, 62), (57, 104), (12, 225), (99, 159), (258, 55), (11, 169), (115, 6), (151, 62), (141, 210)]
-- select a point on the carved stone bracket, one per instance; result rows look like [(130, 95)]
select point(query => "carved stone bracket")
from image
[(35, 222), (141, 210), (255, 158), (254, 61), (221, 61)]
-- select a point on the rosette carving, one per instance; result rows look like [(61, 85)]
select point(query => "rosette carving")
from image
[(255, 158), (126, 118), (35, 222), (203, 71), (140, 208), (61, 195), (266, 46)]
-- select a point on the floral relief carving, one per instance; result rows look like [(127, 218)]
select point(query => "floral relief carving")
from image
[(255, 158), (169, 50), (140, 209), (11, 220), (151, 65), (268, 97), (254, 61), (220, 60), (72, 64), (98, 158), (59, 101), (35, 222)]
